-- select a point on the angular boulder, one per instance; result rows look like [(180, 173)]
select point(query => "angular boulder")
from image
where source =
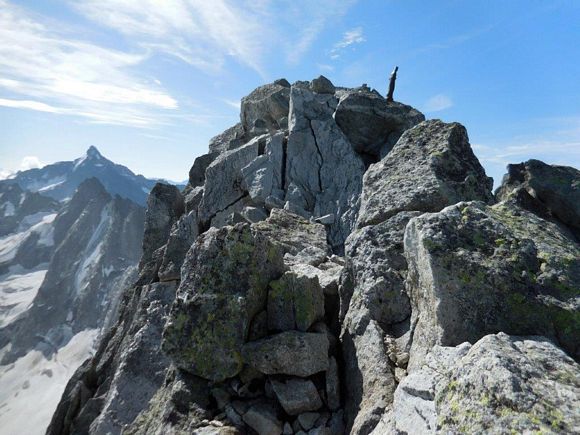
[(371, 125), (223, 183), (554, 188), (183, 234), (431, 166), (475, 270), (297, 395), (291, 353), (230, 139), (224, 285), (268, 103), (524, 384), (295, 301)]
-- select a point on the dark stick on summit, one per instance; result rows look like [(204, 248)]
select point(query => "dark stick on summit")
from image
[(392, 85)]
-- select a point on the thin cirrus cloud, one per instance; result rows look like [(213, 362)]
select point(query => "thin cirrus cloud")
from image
[(50, 70), (350, 38), (47, 67), (438, 103)]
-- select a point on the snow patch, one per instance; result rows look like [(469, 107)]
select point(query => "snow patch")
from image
[(8, 209), (18, 289), (31, 387), (9, 244)]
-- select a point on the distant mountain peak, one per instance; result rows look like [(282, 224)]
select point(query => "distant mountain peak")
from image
[(93, 153)]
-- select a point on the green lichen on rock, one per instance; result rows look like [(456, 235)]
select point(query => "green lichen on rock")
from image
[(471, 285), (295, 301)]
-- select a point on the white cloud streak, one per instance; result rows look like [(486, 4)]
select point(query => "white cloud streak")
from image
[(61, 74), (350, 37), (438, 103)]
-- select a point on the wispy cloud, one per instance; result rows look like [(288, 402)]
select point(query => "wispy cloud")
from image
[(58, 73), (438, 103), (236, 104), (350, 37)]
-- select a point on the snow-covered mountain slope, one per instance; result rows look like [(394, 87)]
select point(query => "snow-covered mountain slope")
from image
[(60, 180), (39, 380), (62, 266)]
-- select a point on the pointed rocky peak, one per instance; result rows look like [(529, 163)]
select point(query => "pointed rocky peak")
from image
[(93, 153)]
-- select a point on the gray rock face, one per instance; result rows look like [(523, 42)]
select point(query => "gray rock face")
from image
[(164, 206), (317, 151), (291, 353), (197, 171), (268, 103), (431, 166), (183, 234), (371, 125), (524, 384), (297, 395), (295, 301), (230, 139), (110, 390), (223, 183), (552, 189), (264, 174), (475, 270), (321, 85), (227, 272)]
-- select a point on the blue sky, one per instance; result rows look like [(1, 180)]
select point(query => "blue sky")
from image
[(149, 82)]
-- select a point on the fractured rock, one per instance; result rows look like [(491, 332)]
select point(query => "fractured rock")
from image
[(295, 301), (431, 166), (262, 418), (297, 396), (371, 125), (475, 269), (291, 353)]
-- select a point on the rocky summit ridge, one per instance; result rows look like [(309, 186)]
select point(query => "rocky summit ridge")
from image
[(339, 264)]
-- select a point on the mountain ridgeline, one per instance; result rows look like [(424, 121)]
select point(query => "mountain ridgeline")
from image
[(67, 249), (339, 264)]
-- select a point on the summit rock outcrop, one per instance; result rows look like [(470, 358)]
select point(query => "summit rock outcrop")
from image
[(338, 264)]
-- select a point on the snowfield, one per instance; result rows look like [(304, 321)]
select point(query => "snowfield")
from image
[(31, 387), (17, 291)]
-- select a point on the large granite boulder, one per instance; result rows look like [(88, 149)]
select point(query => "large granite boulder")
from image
[(551, 188), (223, 180), (321, 165), (476, 269), (228, 271), (224, 285), (431, 166), (501, 384), (371, 125), (290, 353), (197, 171), (228, 140), (267, 104)]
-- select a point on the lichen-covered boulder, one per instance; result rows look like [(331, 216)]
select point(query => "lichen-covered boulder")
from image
[(224, 285), (225, 279), (501, 384), (431, 166), (476, 269), (371, 125), (555, 188), (290, 353), (295, 301)]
